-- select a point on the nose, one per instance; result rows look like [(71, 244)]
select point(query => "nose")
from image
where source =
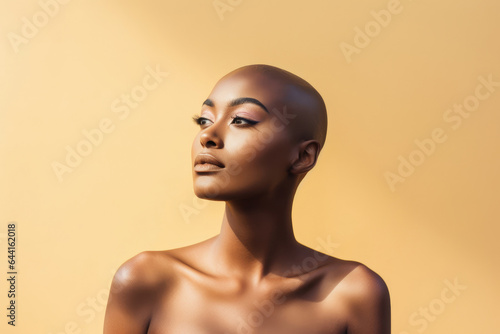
[(211, 137)]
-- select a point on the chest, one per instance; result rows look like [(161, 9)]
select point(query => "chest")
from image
[(194, 310)]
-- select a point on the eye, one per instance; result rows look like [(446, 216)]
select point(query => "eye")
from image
[(200, 120), (242, 121)]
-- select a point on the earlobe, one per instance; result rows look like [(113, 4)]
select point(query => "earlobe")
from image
[(308, 152)]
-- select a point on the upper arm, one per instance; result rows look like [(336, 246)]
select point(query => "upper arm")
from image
[(133, 292), (369, 303)]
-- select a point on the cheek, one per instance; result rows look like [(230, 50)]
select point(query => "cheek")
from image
[(264, 158)]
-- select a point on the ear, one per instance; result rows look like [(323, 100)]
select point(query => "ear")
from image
[(308, 152)]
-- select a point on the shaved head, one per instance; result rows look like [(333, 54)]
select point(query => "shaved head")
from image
[(296, 94)]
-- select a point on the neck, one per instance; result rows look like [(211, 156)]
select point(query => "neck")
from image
[(256, 237)]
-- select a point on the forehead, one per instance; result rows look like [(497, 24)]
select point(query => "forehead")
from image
[(268, 90)]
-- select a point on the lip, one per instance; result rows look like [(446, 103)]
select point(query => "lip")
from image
[(207, 163)]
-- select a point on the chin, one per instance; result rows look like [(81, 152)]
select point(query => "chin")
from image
[(209, 193)]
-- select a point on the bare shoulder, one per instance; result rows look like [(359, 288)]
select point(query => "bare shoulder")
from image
[(145, 270), (365, 297), (362, 282), (153, 270), (135, 289), (140, 279), (140, 285)]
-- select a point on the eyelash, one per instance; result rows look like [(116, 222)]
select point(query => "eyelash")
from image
[(198, 120)]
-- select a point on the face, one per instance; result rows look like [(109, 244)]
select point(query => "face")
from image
[(252, 145)]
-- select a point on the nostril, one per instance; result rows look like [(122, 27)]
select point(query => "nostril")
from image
[(210, 143)]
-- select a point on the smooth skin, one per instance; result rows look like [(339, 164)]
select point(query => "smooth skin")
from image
[(267, 127)]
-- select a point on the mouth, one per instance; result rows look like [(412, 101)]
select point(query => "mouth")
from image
[(207, 163), (207, 168)]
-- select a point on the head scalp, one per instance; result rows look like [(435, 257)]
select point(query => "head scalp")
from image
[(314, 111)]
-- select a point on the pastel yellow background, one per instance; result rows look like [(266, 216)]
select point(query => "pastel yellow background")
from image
[(133, 190)]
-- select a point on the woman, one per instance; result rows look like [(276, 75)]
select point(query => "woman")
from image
[(261, 130)]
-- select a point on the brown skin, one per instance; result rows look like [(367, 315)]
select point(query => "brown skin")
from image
[(253, 277)]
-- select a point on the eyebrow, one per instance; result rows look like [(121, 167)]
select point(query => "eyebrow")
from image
[(238, 101)]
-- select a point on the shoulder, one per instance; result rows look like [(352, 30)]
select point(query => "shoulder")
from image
[(354, 279), (142, 277), (362, 282), (135, 290), (154, 270), (145, 269), (366, 298)]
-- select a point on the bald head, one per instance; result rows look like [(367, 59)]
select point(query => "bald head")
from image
[(293, 93)]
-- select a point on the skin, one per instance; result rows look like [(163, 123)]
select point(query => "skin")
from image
[(253, 277)]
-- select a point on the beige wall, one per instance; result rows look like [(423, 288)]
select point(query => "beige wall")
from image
[(433, 225)]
